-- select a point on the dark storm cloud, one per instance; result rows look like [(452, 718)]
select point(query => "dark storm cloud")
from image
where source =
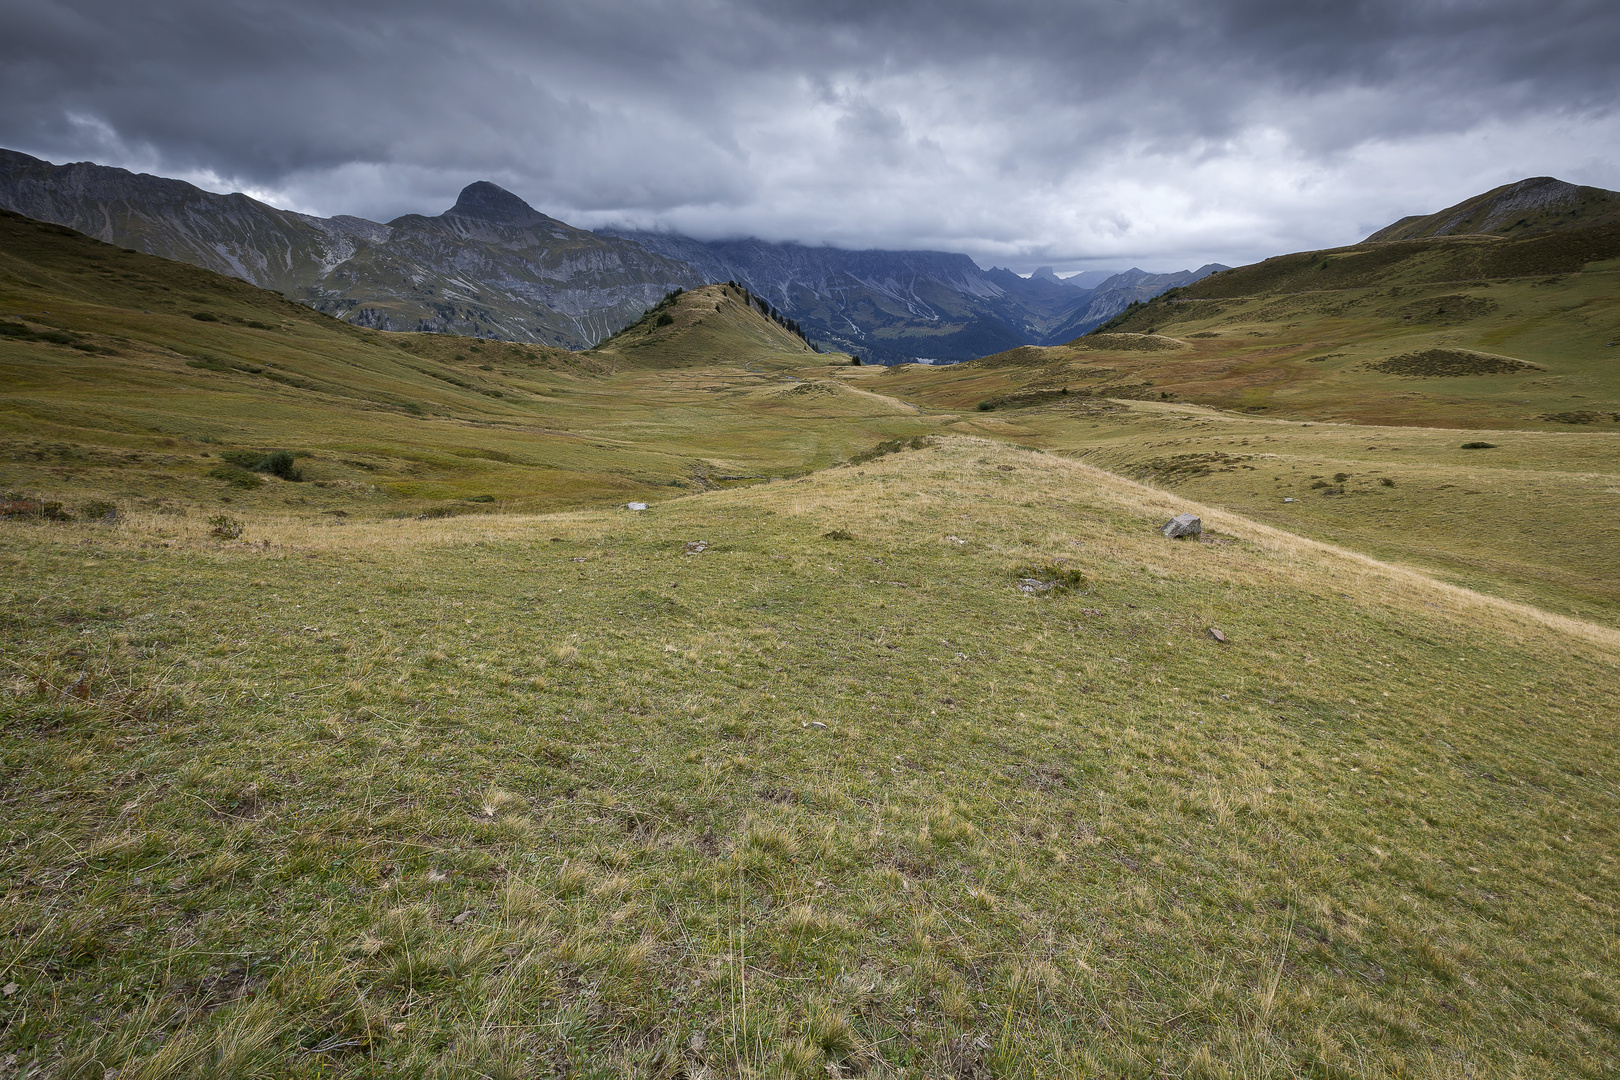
[(1026, 131)]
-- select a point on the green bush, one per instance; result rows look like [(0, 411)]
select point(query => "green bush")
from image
[(1479, 446), (280, 463), (205, 316), (277, 463), (665, 319), (98, 510)]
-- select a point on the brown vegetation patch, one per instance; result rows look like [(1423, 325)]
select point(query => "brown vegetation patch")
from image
[(1580, 416), (1448, 363), (1133, 342), (1187, 466), (1452, 308)]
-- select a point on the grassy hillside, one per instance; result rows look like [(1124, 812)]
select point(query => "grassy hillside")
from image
[(1319, 376), (1539, 204), (703, 327), (507, 795), (124, 378)]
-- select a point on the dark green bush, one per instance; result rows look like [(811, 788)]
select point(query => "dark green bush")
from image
[(280, 463), (1479, 446), (664, 319), (98, 510), (205, 316)]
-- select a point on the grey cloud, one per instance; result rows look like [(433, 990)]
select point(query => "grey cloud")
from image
[(1026, 130)]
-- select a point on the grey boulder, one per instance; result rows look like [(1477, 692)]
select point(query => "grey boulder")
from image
[(1182, 525)]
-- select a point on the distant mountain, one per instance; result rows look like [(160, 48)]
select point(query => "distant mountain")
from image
[(493, 266), (1537, 205), (1115, 294), (490, 266), (888, 306)]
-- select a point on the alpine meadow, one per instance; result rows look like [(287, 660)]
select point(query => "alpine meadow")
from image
[(700, 704)]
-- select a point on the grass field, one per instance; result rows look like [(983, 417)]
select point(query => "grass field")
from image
[(507, 795), (892, 740)]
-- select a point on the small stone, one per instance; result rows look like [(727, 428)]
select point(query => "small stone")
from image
[(1288, 500), (463, 917), (9, 989), (635, 506), (696, 547), (1182, 525), (1217, 635), (819, 724)]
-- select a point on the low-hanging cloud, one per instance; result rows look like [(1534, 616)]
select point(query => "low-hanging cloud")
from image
[(1162, 132)]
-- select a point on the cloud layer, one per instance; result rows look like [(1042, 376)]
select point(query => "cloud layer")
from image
[(1160, 132)]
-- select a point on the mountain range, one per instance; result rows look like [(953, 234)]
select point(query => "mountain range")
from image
[(492, 266)]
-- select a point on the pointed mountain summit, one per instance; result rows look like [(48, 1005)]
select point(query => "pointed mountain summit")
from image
[(493, 203), (1539, 204)]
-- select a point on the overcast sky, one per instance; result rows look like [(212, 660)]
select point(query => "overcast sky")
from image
[(1094, 133)]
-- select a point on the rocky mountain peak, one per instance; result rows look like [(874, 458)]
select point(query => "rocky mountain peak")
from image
[(493, 203)]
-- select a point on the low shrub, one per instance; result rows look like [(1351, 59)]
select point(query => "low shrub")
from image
[(1479, 446), (278, 463), (16, 506), (99, 510), (225, 527), (1048, 578)]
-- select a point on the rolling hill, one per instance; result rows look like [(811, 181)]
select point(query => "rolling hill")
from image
[(892, 739), (1537, 205)]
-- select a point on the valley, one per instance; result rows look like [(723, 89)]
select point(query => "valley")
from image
[(354, 725)]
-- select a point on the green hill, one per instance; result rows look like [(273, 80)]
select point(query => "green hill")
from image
[(124, 378), (1537, 205)]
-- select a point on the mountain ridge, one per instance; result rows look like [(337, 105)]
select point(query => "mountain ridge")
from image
[(1528, 207), (493, 266)]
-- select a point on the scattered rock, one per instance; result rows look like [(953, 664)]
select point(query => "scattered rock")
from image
[(1029, 586), (957, 540), (1182, 525), (635, 506), (696, 547), (1217, 635), (1289, 499), (463, 917)]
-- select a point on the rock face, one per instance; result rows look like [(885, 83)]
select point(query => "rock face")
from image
[(1182, 525), (490, 266), (1119, 292)]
